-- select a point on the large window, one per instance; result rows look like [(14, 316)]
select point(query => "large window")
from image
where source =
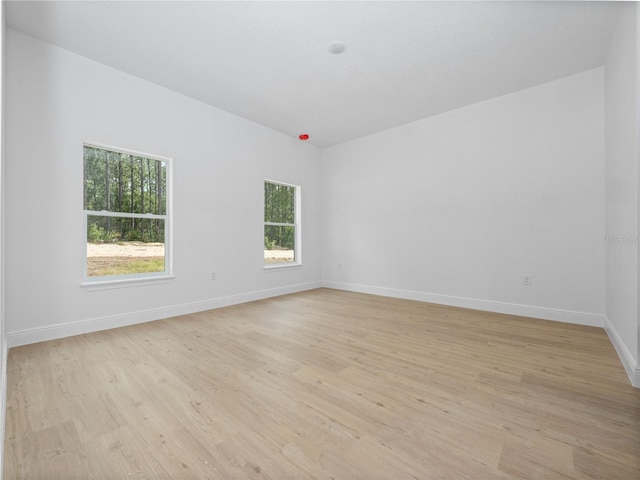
[(281, 224), (126, 215)]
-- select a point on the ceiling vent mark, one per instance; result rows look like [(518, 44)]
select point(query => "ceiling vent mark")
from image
[(337, 47)]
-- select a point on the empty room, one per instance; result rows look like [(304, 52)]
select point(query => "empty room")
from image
[(320, 240)]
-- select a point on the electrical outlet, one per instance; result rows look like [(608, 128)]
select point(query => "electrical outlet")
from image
[(214, 276), (526, 279), (339, 266), (612, 294)]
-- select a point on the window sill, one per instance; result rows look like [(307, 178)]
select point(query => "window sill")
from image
[(281, 266), (125, 283)]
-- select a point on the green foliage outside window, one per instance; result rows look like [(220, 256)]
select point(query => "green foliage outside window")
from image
[(279, 207), (123, 183)]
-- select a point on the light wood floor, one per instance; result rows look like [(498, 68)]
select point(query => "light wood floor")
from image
[(325, 384)]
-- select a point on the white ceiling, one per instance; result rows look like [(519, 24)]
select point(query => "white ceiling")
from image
[(269, 61)]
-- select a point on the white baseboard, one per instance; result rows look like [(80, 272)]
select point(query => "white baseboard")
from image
[(35, 335), (567, 316), (631, 366)]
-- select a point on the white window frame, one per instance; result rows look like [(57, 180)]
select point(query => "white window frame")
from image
[(297, 215), (118, 281)]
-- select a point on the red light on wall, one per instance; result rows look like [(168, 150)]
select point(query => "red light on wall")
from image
[(303, 136)]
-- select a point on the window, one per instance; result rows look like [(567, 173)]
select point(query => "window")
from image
[(281, 224), (126, 215)]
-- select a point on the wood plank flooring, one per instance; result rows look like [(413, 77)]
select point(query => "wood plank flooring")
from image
[(324, 384)]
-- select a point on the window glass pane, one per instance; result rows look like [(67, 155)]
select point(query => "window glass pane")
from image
[(121, 229), (120, 182), (279, 203), (279, 244), (94, 179), (139, 250)]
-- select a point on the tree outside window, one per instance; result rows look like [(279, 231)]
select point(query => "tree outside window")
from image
[(281, 225), (126, 214)]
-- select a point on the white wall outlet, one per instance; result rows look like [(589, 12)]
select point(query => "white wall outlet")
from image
[(612, 294), (339, 266), (526, 279), (214, 275)]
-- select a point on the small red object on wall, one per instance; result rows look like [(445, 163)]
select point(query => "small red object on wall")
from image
[(303, 136)]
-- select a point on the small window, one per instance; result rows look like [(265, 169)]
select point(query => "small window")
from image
[(281, 224), (126, 215)]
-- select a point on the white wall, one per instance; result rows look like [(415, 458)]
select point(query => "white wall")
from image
[(621, 99), (456, 208), (3, 334), (57, 100)]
